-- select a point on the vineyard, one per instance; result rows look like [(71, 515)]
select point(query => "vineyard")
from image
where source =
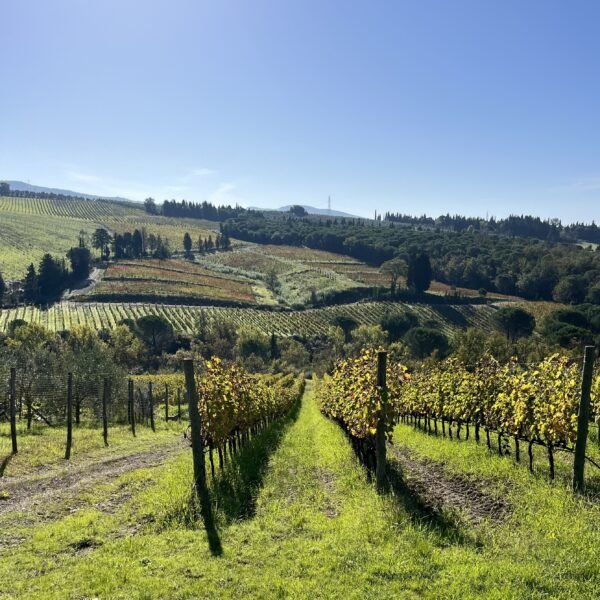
[(30, 227), (169, 280), (183, 318), (537, 404), (232, 402)]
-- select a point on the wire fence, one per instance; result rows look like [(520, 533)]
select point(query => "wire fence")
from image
[(36, 398)]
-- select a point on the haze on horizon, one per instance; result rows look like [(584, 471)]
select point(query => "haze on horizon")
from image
[(417, 107)]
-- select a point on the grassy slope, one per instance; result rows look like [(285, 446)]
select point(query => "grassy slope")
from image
[(45, 446), (315, 529), (31, 227)]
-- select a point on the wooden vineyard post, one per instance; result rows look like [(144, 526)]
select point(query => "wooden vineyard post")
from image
[(583, 419), (380, 449), (13, 409), (196, 434), (69, 416), (151, 406), (132, 406), (179, 404), (129, 402), (166, 403), (105, 412)]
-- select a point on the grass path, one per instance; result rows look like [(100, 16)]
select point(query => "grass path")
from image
[(296, 517)]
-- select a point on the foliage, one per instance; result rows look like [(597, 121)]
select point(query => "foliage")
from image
[(232, 401), (468, 258), (394, 269), (514, 322), (419, 272), (424, 341), (351, 396), (538, 404)]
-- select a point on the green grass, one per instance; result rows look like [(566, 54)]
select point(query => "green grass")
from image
[(31, 227), (45, 446), (296, 517)]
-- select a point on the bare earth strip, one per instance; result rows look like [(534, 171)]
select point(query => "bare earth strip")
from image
[(41, 494), (440, 490)]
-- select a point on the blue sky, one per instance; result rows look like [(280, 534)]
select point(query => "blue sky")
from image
[(462, 106)]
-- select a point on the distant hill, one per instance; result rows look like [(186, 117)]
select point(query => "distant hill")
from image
[(21, 186), (311, 210)]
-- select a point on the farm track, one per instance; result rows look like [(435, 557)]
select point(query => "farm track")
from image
[(54, 492), (437, 490)]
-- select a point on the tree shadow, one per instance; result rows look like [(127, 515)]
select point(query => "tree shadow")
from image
[(420, 511), (5, 463), (232, 493), (451, 314), (235, 488), (408, 499)]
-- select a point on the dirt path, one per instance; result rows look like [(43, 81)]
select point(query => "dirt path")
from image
[(85, 286), (56, 492), (440, 490)]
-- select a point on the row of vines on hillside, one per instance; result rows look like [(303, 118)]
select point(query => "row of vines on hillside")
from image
[(233, 403), (535, 405)]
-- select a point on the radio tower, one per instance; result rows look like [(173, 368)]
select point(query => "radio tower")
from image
[(329, 203)]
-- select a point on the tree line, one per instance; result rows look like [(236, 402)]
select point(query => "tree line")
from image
[(514, 225), (192, 210), (530, 268)]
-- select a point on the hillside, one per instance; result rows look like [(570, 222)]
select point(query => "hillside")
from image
[(21, 186), (107, 315), (30, 227)]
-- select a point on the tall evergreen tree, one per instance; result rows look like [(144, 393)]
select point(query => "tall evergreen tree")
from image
[(80, 262), (187, 243), (30, 285), (51, 278), (2, 289), (419, 272), (137, 244)]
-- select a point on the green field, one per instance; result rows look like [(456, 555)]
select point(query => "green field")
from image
[(106, 315), (31, 227), (295, 516)]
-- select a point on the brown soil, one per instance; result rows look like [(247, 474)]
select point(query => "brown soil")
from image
[(57, 491), (439, 490)]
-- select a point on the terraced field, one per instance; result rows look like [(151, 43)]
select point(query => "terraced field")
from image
[(170, 279), (300, 271), (306, 322)]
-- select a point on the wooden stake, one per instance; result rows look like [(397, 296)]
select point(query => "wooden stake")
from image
[(69, 416), (583, 419), (13, 411), (380, 441), (151, 406), (105, 412), (196, 435), (132, 405), (166, 402)]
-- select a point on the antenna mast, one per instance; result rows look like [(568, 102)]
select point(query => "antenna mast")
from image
[(329, 203)]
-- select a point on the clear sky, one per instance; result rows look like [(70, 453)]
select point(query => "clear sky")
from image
[(460, 106)]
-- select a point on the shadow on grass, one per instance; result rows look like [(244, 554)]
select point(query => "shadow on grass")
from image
[(235, 489), (4, 463), (231, 495), (418, 509)]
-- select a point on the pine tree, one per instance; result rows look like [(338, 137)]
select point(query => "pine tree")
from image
[(187, 243), (30, 285)]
